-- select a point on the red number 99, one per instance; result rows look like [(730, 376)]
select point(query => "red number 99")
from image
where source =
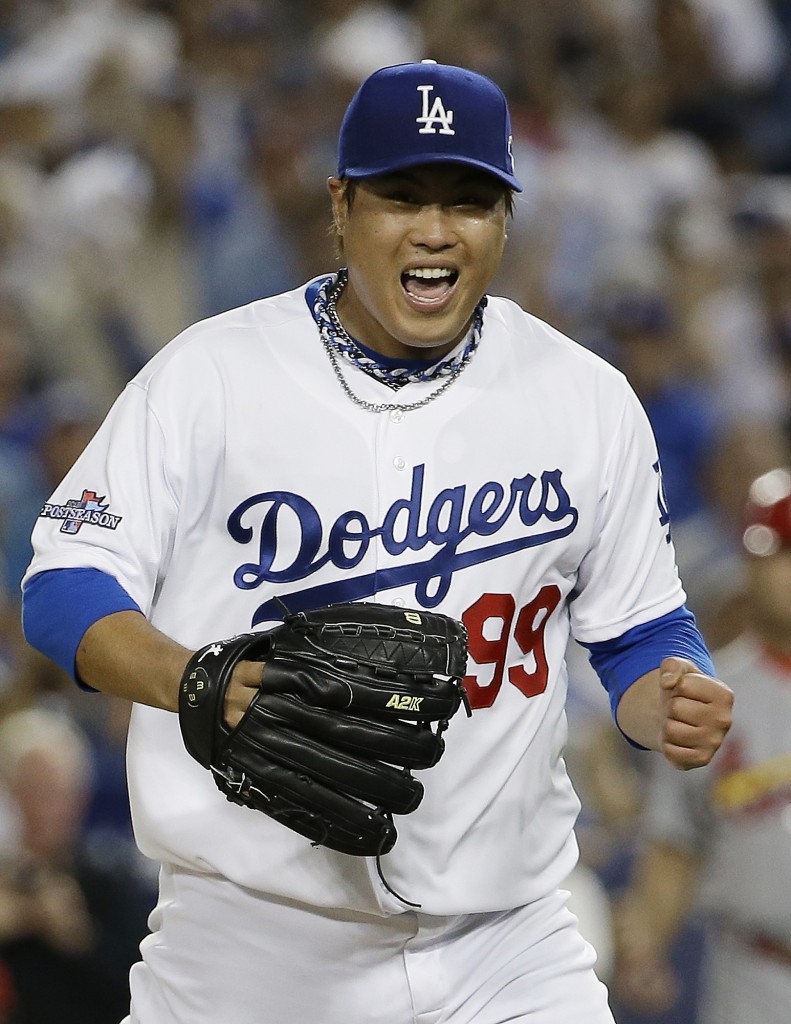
[(488, 643)]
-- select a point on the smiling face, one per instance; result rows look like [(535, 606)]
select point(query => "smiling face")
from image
[(421, 246)]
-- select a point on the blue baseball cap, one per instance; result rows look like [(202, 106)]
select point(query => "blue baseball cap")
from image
[(425, 113)]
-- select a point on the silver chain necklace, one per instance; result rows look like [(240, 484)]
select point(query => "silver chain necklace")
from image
[(332, 353)]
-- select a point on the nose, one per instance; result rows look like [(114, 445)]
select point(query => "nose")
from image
[(433, 227)]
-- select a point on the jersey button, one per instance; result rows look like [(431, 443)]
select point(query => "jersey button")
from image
[(396, 415), (399, 462)]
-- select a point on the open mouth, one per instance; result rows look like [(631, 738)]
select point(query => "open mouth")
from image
[(429, 284)]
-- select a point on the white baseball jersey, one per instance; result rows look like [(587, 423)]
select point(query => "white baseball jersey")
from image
[(525, 500)]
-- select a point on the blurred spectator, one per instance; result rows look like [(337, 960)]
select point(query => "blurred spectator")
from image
[(242, 250), (718, 840), (54, 65), (69, 268), (18, 478), (69, 924), (370, 35), (743, 39), (734, 328), (744, 451), (13, 652), (619, 182), (647, 346), (163, 270), (67, 415), (17, 381)]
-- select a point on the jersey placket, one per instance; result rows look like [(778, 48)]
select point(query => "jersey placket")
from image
[(393, 468)]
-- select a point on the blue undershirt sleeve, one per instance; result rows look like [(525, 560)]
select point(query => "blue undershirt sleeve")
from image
[(59, 605), (621, 661)]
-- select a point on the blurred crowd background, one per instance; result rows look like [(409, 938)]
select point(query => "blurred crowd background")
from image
[(164, 160)]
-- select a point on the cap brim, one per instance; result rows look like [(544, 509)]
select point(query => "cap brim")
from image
[(373, 170)]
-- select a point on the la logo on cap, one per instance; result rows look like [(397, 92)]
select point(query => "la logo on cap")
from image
[(437, 114), (419, 102)]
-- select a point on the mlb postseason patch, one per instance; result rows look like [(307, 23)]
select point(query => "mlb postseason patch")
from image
[(89, 510)]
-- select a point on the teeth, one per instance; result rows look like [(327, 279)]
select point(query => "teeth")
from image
[(429, 272)]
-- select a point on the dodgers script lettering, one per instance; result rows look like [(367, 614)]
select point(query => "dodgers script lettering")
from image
[(449, 523)]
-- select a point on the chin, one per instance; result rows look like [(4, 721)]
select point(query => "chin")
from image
[(428, 335)]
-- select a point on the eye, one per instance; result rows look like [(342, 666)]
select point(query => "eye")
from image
[(400, 195), (477, 200)]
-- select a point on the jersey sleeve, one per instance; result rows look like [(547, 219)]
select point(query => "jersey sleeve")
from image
[(628, 575), (60, 605), (622, 660), (115, 511)]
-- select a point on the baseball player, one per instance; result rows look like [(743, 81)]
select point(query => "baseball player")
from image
[(385, 434), (719, 840)]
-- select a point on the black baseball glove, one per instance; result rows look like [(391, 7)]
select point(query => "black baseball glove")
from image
[(352, 698)]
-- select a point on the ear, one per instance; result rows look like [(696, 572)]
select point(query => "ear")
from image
[(340, 209)]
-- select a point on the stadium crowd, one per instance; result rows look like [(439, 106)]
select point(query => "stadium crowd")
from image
[(164, 160)]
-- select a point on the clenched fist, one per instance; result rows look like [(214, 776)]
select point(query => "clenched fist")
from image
[(696, 713)]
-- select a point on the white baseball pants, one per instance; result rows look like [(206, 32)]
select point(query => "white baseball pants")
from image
[(221, 953)]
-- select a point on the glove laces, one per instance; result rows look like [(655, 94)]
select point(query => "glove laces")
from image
[(386, 884)]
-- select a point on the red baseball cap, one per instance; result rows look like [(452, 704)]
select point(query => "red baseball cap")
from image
[(768, 513)]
